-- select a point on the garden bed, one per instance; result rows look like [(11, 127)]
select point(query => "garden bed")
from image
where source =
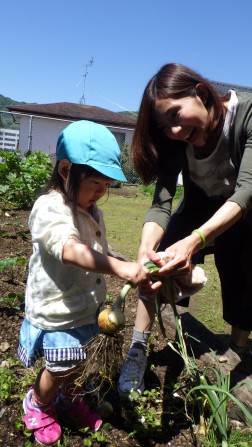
[(157, 423)]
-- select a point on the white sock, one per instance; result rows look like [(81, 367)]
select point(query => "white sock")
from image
[(140, 339)]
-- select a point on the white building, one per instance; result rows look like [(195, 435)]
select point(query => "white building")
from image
[(41, 124)]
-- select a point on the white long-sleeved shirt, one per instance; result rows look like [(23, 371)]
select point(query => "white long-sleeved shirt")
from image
[(60, 296)]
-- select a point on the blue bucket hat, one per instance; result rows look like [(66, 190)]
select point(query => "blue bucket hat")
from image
[(88, 143)]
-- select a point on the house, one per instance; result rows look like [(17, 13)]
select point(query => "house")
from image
[(41, 124), (223, 87)]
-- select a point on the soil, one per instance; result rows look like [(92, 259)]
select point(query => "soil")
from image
[(164, 366)]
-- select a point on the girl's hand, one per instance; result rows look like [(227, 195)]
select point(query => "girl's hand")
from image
[(148, 287), (133, 272)]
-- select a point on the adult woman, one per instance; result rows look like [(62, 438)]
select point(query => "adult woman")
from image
[(184, 124)]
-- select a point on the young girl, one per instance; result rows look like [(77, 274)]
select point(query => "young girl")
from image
[(66, 289), (185, 124)]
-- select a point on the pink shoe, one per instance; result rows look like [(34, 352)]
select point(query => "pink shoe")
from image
[(43, 420), (77, 414)]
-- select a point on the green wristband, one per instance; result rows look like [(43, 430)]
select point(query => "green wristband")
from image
[(202, 237)]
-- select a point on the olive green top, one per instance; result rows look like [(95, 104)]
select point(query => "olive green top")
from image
[(240, 148)]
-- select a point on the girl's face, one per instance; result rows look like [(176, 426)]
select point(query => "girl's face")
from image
[(91, 190), (184, 119)]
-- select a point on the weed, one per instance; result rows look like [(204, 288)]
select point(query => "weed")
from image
[(8, 380), (93, 438), (142, 415), (109, 299), (10, 264), (239, 439), (28, 433), (13, 300)]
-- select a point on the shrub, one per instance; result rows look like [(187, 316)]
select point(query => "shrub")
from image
[(22, 178), (150, 189)]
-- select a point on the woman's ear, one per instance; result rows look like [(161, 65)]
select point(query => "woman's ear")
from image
[(202, 92), (63, 169)]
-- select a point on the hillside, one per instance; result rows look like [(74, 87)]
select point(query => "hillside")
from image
[(133, 114), (5, 102), (6, 120)]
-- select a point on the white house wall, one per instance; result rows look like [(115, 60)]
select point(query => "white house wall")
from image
[(41, 134)]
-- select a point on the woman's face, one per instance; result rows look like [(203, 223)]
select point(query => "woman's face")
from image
[(184, 119)]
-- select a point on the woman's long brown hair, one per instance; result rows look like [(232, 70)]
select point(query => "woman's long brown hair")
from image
[(172, 81)]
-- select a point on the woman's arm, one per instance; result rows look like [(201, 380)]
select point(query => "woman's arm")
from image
[(181, 252), (152, 234)]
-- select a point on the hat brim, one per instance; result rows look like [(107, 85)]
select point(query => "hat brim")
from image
[(109, 171)]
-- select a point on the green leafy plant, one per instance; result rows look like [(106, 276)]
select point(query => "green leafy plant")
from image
[(11, 264), (93, 438), (8, 380), (142, 414), (13, 300), (150, 189), (28, 433), (21, 179)]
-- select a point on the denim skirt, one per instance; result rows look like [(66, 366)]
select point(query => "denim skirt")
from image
[(55, 346)]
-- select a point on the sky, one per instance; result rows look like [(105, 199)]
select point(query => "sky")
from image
[(103, 52)]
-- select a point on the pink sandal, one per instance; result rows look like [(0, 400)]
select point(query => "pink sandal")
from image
[(43, 420), (77, 414)]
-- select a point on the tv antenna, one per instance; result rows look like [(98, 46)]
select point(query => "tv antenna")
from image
[(84, 76)]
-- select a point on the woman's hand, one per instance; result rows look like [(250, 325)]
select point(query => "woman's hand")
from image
[(146, 254), (177, 258)]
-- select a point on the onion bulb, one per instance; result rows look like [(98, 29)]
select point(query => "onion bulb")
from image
[(112, 319)]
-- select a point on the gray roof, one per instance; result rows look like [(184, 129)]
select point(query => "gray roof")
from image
[(71, 111), (223, 87)]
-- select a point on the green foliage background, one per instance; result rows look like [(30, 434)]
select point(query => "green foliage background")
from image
[(21, 179), (6, 120)]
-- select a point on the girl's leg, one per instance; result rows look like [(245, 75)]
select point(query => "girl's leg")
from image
[(71, 408), (46, 386)]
